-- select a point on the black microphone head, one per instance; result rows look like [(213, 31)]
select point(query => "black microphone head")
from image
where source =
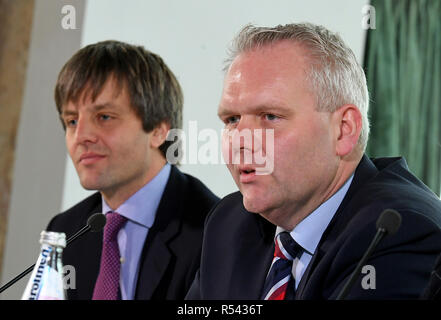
[(96, 222), (390, 220)]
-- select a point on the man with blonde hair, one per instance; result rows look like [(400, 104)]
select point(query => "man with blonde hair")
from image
[(299, 231)]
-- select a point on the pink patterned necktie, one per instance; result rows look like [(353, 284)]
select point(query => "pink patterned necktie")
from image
[(107, 284)]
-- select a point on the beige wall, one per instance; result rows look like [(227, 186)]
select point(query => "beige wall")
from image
[(15, 34), (40, 151)]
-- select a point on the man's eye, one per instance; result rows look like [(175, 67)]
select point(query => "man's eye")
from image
[(271, 117), (232, 120), (104, 117), (71, 122)]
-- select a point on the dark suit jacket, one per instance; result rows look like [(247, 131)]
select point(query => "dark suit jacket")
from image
[(433, 289), (171, 253), (238, 245)]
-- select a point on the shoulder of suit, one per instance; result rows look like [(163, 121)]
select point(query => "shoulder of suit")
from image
[(88, 203), (193, 187), (185, 198), (76, 216), (395, 187), (230, 207)]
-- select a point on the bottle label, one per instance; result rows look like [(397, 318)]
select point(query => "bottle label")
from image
[(46, 283), (37, 282), (53, 288)]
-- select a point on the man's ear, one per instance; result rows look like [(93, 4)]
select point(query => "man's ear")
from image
[(347, 123), (159, 134)]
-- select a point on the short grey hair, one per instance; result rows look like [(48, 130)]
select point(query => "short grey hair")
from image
[(335, 75)]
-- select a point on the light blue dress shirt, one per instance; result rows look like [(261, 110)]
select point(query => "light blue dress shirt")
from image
[(310, 230), (140, 210)]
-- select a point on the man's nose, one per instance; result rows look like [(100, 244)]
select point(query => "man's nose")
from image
[(85, 132), (246, 135), (245, 140), (247, 122)]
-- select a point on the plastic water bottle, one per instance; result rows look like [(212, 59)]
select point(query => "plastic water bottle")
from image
[(46, 282)]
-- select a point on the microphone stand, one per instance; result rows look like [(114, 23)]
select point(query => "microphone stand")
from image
[(381, 232)]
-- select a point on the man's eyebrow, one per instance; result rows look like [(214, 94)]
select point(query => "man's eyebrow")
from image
[(68, 113), (223, 112), (272, 108), (266, 108), (101, 106), (96, 107)]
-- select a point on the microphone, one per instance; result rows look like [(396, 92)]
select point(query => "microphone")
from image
[(95, 223), (387, 224)]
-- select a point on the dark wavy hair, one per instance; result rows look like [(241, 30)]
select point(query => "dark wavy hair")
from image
[(155, 93)]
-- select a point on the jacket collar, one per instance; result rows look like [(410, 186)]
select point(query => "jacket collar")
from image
[(365, 171), (157, 252)]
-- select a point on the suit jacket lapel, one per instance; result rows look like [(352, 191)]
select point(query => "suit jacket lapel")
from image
[(91, 248), (255, 250), (365, 171), (85, 253), (156, 253)]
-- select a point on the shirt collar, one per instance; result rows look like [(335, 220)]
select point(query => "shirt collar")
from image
[(310, 230), (141, 207)]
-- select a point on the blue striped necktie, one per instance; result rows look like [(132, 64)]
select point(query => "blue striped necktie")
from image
[(279, 284)]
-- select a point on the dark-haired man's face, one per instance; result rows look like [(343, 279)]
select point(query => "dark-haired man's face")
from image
[(109, 148)]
